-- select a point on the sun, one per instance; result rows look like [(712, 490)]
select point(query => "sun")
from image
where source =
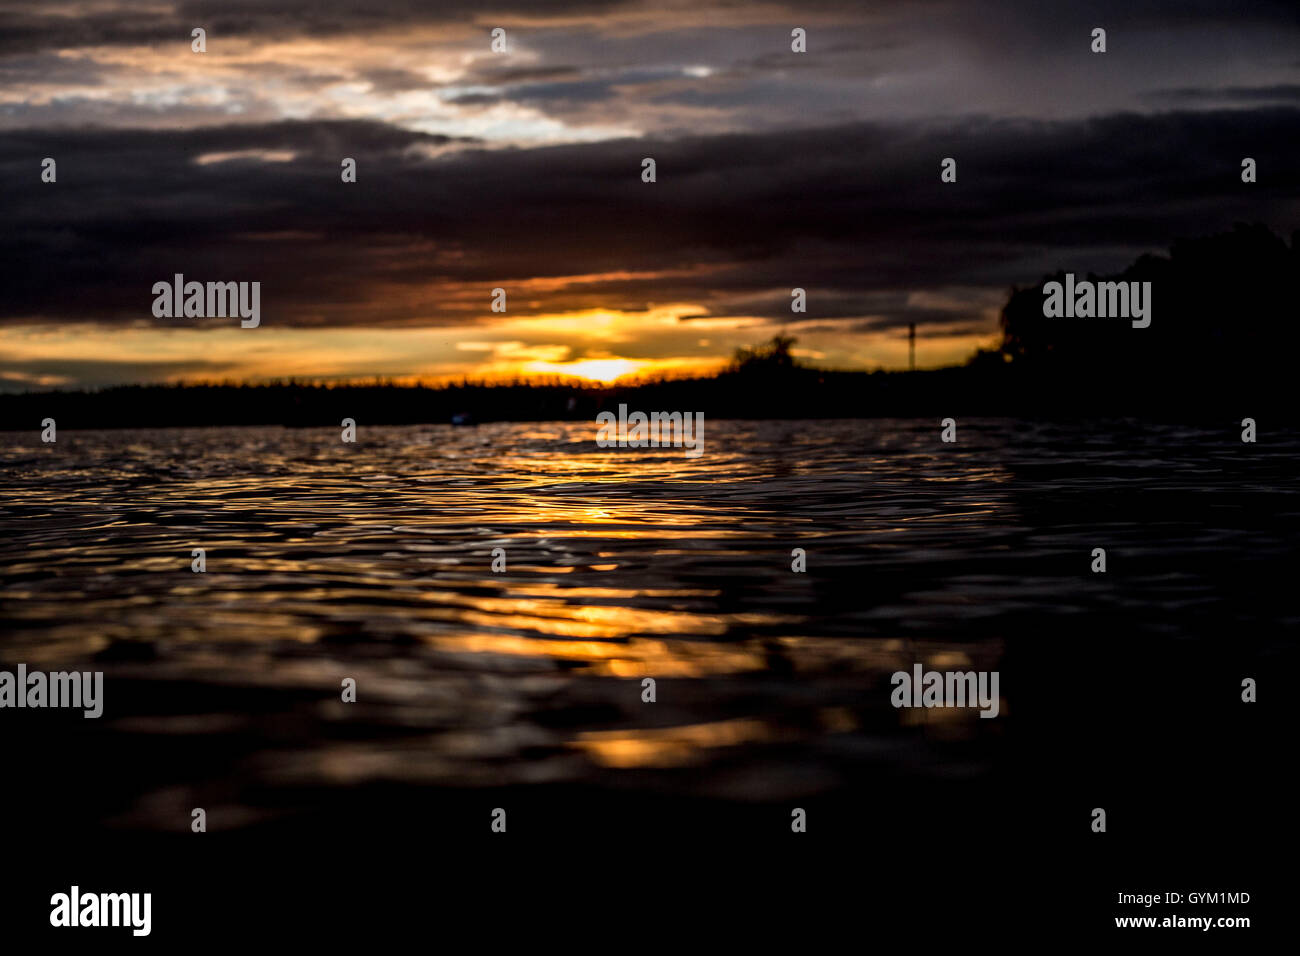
[(596, 370)]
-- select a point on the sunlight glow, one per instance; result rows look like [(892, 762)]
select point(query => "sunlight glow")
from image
[(596, 370)]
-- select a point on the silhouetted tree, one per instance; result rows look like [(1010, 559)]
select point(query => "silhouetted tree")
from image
[(769, 356), (1223, 313)]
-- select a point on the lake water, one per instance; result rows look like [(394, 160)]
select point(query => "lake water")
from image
[(373, 561)]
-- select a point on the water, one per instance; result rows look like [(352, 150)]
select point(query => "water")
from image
[(373, 562)]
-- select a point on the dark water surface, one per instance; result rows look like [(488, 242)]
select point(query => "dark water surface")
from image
[(373, 561)]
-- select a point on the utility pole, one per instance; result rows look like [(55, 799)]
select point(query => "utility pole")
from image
[(911, 345)]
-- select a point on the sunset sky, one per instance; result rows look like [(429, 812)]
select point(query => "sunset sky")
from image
[(522, 170)]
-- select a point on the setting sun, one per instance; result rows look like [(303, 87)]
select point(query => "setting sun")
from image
[(598, 370)]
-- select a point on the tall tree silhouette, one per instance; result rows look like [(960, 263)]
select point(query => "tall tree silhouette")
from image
[(1223, 312)]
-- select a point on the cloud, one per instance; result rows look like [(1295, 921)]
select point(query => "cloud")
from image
[(522, 171), (582, 69), (1231, 95), (855, 214)]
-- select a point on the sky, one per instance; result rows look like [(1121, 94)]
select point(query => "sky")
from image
[(522, 170)]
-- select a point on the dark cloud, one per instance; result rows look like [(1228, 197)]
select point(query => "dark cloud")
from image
[(395, 81), (1230, 95), (498, 73), (857, 215), (663, 67), (27, 29), (49, 68), (33, 26)]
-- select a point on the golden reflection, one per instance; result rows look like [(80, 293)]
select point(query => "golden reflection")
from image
[(592, 621), (607, 622), (639, 657), (568, 593), (950, 722), (668, 746), (630, 659)]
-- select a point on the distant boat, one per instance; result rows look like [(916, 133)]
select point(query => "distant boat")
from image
[(462, 418)]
